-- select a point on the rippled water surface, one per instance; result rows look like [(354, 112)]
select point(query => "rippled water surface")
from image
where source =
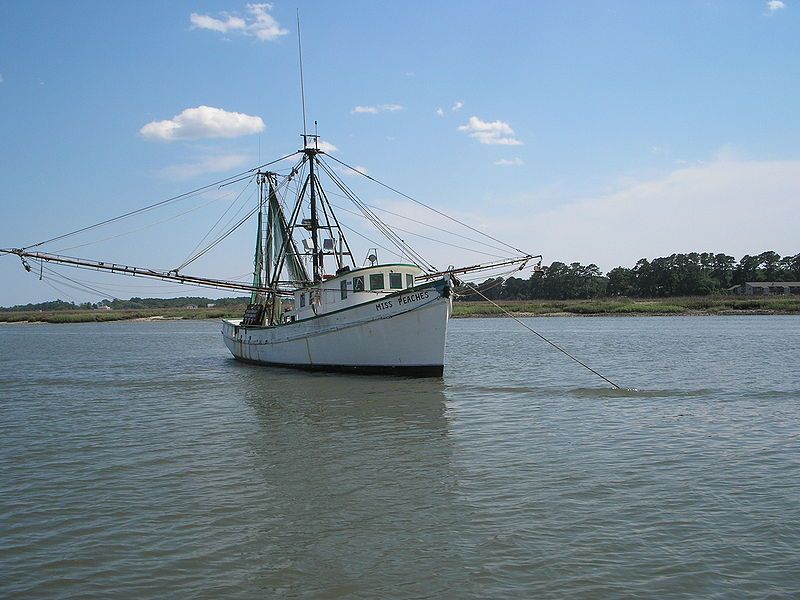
[(138, 460)]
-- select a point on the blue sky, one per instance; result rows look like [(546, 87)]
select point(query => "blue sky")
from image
[(592, 131)]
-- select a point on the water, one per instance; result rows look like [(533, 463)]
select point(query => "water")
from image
[(137, 460)]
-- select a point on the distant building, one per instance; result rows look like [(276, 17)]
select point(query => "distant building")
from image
[(766, 288), (191, 306), (210, 305)]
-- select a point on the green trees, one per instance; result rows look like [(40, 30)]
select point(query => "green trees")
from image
[(556, 282), (621, 282), (767, 266), (691, 274)]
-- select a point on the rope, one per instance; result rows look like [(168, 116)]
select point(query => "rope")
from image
[(553, 344)]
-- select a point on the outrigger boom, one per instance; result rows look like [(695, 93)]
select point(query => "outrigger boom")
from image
[(224, 284), (95, 265), (522, 261)]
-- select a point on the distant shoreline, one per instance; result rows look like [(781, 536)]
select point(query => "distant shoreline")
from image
[(617, 307)]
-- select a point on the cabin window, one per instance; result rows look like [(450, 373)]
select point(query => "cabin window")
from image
[(358, 284), (409, 280), (376, 281), (302, 299), (344, 288), (396, 281)]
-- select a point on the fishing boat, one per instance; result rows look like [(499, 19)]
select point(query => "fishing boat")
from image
[(379, 318), (312, 304)]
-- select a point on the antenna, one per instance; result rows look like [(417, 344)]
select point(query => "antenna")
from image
[(302, 85)]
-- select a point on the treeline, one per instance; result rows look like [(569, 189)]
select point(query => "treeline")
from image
[(693, 274), (133, 303)]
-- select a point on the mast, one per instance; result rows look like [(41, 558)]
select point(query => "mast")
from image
[(258, 266), (316, 259), (269, 242), (272, 304)]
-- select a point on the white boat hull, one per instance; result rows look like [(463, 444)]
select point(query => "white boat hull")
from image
[(402, 333)]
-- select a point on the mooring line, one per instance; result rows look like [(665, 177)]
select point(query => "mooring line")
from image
[(553, 344)]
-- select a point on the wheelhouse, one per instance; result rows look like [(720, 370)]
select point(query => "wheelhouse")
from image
[(350, 288)]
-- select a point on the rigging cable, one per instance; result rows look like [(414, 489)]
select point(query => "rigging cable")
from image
[(144, 227), (553, 344), (378, 208), (58, 290), (424, 237), (222, 216), (224, 235), (218, 240), (371, 241), (380, 225), (438, 212), (81, 287), (154, 205)]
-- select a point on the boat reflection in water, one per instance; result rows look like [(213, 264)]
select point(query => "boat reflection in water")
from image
[(358, 484)]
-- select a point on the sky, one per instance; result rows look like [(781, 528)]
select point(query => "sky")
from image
[(598, 132)]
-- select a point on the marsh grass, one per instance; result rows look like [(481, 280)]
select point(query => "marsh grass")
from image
[(617, 306), (629, 306), (95, 316)]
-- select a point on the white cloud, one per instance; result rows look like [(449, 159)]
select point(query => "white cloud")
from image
[(490, 132), (775, 5), (203, 122), (440, 111), (204, 166), (509, 162), (410, 74), (457, 106), (1, 78), (733, 206), (258, 23), (208, 22), (374, 110)]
